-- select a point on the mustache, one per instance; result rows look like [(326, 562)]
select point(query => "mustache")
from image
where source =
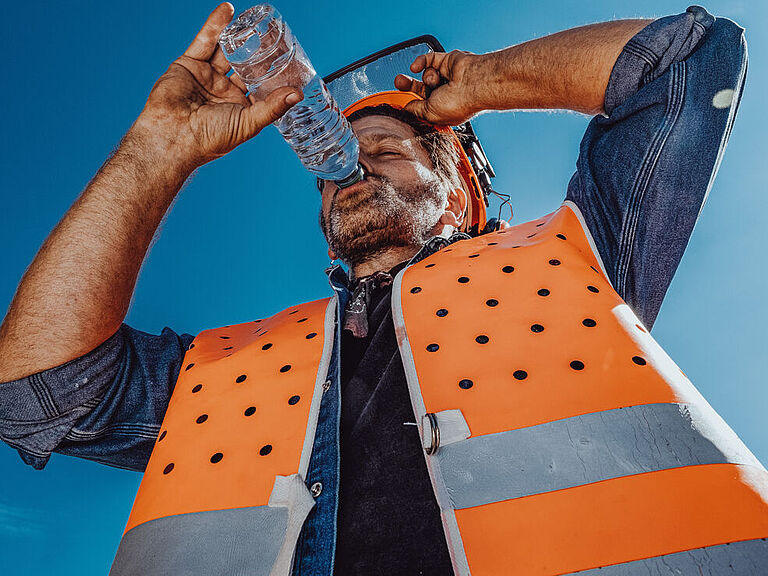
[(379, 180)]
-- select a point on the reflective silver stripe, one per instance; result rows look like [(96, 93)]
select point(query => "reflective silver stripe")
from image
[(329, 333), (575, 451), (259, 540), (747, 558), (447, 515), (238, 541)]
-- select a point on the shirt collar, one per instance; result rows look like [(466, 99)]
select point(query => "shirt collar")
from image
[(434, 244)]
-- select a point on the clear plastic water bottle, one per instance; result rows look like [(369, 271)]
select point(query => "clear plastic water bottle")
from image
[(264, 52)]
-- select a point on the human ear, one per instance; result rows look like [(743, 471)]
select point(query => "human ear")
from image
[(456, 208)]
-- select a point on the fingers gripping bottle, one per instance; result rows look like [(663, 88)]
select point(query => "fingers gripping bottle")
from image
[(264, 52)]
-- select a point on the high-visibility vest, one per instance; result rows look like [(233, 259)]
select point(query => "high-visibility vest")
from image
[(559, 437)]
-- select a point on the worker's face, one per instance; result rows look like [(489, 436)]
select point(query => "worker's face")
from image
[(397, 205)]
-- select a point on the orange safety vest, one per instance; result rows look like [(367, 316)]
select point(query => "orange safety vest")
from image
[(558, 435)]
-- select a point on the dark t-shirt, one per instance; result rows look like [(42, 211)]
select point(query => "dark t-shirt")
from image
[(389, 520)]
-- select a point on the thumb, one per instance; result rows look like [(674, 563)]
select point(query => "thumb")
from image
[(420, 108), (261, 113)]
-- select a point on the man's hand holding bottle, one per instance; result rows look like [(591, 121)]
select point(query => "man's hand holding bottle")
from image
[(195, 113)]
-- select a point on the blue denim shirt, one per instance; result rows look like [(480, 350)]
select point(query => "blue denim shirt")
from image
[(643, 173)]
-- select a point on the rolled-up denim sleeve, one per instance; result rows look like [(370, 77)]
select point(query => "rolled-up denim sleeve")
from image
[(646, 167), (106, 405)]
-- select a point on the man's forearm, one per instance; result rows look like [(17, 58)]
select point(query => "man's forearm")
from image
[(568, 70), (77, 290)]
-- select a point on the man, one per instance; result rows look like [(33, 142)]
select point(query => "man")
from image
[(337, 459)]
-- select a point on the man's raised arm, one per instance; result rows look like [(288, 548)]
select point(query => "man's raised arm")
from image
[(668, 91), (77, 290), (568, 70)]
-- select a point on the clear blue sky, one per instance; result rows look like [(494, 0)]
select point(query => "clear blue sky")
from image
[(242, 241)]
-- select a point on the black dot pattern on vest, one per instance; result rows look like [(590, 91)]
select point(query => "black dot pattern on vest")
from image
[(492, 302), (482, 339), (639, 360), (162, 435), (537, 328), (227, 348), (216, 458), (267, 346), (429, 265), (520, 374), (589, 323), (593, 289), (508, 269), (189, 366), (577, 365), (463, 279), (202, 418), (466, 384), (167, 469), (442, 313), (473, 255), (310, 335), (197, 388), (554, 262), (250, 411), (433, 347), (294, 400), (224, 337), (543, 292), (301, 320), (285, 368), (241, 378), (266, 449), (561, 236), (415, 290)]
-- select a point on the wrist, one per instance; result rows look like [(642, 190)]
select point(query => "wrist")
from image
[(162, 144), (487, 82)]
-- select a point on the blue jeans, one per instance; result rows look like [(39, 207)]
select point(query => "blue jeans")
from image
[(643, 173)]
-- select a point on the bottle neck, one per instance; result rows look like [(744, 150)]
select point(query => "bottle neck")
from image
[(357, 175)]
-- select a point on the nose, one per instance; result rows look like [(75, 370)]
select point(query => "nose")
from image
[(365, 163)]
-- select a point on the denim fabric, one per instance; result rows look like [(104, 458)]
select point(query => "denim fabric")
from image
[(105, 406), (645, 170), (643, 174), (316, 547)]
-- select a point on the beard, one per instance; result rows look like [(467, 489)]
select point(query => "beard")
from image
[(376, 217)]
